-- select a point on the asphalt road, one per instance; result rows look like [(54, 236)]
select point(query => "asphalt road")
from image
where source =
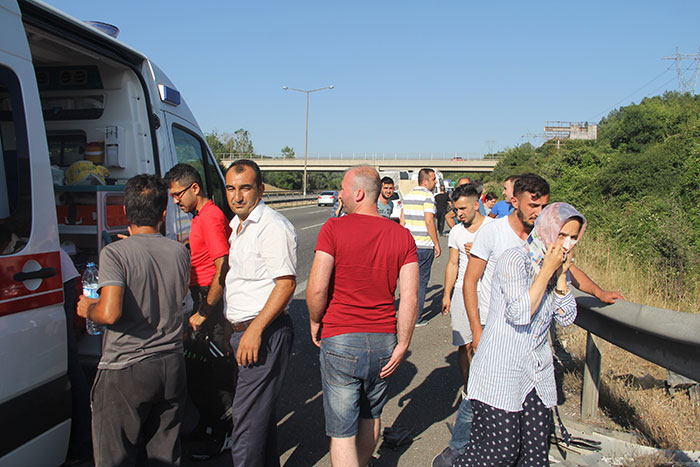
[(423, 391)]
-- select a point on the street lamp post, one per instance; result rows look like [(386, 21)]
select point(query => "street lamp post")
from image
[(306, 144)]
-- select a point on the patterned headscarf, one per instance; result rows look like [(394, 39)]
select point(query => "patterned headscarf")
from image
[(546, 231)]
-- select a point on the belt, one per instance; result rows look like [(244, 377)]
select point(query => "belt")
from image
[(242, 325)]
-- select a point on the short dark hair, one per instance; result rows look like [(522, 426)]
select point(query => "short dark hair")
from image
[(239, 165), (511, 178), (531, 183), (145, 199), (387, 180), (184, 174), (490, 195), (424, 174), (468, 191), (479, 185)]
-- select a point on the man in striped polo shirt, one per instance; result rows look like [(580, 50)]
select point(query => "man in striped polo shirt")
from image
[(419, 217)]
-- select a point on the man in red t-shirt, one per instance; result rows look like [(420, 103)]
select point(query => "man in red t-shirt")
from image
[(350, 297), (209, 232)]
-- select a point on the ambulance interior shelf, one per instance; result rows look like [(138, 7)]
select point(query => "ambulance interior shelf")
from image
[(90, 215)]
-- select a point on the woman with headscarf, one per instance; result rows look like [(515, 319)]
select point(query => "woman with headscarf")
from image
[(511, 379)]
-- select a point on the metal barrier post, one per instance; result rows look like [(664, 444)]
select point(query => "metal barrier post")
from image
[(591, 378)]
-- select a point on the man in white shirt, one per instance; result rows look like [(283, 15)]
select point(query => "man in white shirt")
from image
[(260, 283), (466, 202)]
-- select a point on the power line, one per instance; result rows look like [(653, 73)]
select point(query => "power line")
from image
[(593, 119), (686, 85)]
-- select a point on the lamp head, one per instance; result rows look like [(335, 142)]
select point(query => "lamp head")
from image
[(331, 87), (285, 87)]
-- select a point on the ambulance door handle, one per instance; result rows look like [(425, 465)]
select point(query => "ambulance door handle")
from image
[(42, 273)]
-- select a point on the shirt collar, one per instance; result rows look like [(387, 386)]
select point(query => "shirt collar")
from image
[(196, 212), (254, 216)]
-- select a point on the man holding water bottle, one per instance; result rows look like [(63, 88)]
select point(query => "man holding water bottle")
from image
[(139, 389)]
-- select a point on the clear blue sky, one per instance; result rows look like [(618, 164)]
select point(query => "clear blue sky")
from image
[(409, 76)]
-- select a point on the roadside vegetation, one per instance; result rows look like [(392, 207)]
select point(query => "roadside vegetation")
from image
[(639, 187)]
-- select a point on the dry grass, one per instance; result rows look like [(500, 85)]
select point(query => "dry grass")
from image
[(638, 281), (633, 393), (651, 460)]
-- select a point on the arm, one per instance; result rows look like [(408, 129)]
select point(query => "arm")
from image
[(317, 292), (475, 268), (216, 291), (563, 298), (104, 310), (432, 231), (451, 272), (450, 218), (406, 317), (249, 345), (522, 299), (581, 281), (402, 221)]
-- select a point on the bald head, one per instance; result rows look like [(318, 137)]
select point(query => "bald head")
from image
[(463, 181), (367, 179), (360, 188)]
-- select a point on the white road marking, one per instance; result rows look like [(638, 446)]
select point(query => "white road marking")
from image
[(312, 226)]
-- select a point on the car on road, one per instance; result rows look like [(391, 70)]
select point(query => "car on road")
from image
[(397, 199), (327, 198)]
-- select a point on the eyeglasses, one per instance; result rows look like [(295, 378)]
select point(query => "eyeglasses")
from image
[(178, 196)]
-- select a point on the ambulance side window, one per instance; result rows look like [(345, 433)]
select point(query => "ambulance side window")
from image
[(15, 180), (190, 149)]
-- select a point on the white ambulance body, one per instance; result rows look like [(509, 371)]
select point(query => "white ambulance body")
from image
[(64, 83)]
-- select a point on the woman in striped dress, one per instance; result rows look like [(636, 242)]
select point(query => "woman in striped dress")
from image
[(511, 379)]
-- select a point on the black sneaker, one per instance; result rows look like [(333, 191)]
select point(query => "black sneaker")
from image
[(446, 458)]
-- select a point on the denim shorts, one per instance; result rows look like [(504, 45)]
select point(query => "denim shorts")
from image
[(352, 388)]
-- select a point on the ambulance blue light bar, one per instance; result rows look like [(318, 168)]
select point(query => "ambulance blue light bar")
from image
[(169, 95)]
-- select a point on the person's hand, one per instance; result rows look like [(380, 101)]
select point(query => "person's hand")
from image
[(196, 320), (248, 347), (476, 336), (553, 259), (316, 333), (609, 296), (437, 250), (468, 247), (569, 261), (445, 305), (84, 304), (122, 236), (396, 357)]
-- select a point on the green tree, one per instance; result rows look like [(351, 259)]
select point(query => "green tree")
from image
[(288, 153), (216, 145), (240, 144)]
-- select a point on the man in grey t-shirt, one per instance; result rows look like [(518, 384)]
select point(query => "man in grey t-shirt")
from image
[(139, 389)]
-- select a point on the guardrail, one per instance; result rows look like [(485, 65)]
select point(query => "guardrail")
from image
[(287, 197), (670, 339), (470, 156)]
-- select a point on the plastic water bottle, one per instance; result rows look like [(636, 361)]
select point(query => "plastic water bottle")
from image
[(90, 290)]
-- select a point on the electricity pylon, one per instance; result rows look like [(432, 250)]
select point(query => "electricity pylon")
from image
[(686, 85)]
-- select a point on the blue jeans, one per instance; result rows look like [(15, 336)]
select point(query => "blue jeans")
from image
[(425, 262), (463, 427), (352, 388)]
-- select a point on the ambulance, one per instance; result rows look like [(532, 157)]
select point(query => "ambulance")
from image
[(80, 113)]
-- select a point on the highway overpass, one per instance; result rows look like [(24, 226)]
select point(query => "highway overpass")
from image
[(341, 164)]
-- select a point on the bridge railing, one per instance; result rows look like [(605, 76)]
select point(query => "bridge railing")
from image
[(670, 339), (229, 157)]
